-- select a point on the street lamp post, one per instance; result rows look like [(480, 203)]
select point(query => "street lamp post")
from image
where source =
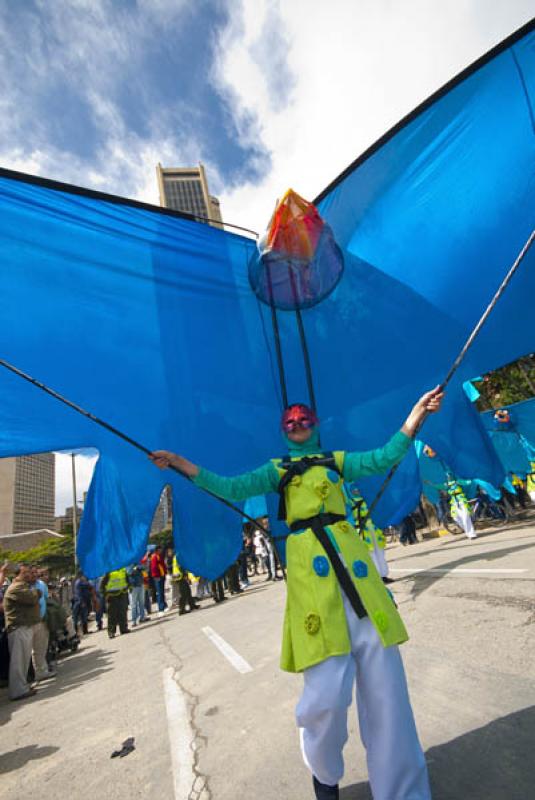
[(74, 511)]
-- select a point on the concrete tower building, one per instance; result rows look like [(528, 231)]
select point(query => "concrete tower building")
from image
[(27, 493), (186, 189)]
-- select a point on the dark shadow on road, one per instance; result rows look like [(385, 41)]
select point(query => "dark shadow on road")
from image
[(424, 580), (76, 671), (494, 762), (461, 542), (18, 758), (73, 671)]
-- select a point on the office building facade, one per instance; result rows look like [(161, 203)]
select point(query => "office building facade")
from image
[(186, 189), (27, 493)]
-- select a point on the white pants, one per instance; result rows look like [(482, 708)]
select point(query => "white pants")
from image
[(462, 517), (532, 495), (396, 763), (40, 636), (20, 652)]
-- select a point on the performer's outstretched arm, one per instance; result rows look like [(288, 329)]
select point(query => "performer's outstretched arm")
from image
[(382, 459), (235, 489)]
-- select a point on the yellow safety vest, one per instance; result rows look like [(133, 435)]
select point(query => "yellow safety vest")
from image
[(117, 581), (177, 570), (530, 483), (315, 625)]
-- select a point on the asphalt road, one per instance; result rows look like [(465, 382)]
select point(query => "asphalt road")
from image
[(219, 725)]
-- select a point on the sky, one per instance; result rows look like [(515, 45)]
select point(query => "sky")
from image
[(267, 95)]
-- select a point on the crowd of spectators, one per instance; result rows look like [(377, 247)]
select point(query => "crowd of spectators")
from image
[(40, 618)]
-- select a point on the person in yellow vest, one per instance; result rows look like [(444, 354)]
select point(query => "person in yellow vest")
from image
[(115, 589), (530, 482), (181, 589), (340, 619)]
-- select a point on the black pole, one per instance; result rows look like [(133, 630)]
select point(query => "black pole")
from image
[(133, 442), (306, 359), (303, 340), (276, 336), (464, 349)]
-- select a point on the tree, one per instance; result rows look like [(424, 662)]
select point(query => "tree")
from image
[(509, 384), (57, 555), (163, 538)]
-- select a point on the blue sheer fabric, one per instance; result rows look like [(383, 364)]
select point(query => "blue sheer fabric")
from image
[(148, 321), (514, 443)]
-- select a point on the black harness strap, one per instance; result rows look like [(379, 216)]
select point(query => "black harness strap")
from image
[(299, 467), (317, 524)]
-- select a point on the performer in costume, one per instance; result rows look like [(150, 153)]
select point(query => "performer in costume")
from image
[(333, 635), (373, 536), (530, 482), (460, 507)]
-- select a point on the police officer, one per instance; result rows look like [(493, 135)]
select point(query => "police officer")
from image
[(115, 589), (180, 582)]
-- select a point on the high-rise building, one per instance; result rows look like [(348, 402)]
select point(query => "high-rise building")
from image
[(186, 189), (27, 493), (163, 516)]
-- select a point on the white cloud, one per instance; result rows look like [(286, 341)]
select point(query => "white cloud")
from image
[(358, 68), (84, 465)]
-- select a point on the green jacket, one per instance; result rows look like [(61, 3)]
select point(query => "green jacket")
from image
[(315, 625), (21, 606)]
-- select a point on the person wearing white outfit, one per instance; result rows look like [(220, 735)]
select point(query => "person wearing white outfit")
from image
[(396, 763), (459, 507), (341, 627)]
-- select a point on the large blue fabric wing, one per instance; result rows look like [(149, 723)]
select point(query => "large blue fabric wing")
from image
[(146, 320), (430, 219)]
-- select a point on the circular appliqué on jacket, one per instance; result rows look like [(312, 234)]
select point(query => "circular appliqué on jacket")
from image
[(312, 623), (321, 566), (344, 527), (323, 489), (381, 621), (360, 569), (333, 476)]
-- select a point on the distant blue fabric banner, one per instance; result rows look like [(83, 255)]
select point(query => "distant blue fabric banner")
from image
[(515, 444), (148, 321)]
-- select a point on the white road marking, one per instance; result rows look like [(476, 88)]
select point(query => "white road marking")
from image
[(459, 570), (230, 654), (180, 736)]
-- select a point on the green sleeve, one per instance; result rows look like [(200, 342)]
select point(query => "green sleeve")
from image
[(259, 481), (371, 462)]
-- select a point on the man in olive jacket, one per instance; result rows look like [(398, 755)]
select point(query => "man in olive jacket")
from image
[(21, 607)]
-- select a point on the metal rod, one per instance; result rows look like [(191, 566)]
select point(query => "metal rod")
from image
[(464, 349), (276, 336), (128, 439)]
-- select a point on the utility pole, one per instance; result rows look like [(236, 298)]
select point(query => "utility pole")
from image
[(74, 511)]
